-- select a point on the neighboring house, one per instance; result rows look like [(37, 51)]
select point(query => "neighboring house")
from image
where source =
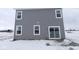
[(42, 23)]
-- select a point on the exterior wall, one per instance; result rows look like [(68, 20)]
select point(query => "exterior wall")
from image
[(42, 17)]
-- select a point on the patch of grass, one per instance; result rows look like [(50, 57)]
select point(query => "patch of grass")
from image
[(71, 44), (47, 44), (70, 48)]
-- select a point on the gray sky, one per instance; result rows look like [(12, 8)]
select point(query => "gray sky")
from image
[(71, 18), (7, 18)]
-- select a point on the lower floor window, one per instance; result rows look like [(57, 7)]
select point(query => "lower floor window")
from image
[(36, 29), (54, 32), (19, 30)]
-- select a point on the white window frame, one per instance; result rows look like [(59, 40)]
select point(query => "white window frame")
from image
[(54, 27), (34, 29), (56, 13), (17, 29), (17, 15)]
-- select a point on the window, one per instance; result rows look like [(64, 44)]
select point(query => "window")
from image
[(19, 15), (36, 29), (18, 30), (58, 13), (54, 32)]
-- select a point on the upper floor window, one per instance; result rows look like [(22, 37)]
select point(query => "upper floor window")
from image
[(58, 13), (19, 15)]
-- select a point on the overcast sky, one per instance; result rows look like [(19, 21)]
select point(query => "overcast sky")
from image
[(71, 18), (7, 18)]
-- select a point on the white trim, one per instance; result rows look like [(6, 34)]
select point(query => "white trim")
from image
[(17, 15), (54, 27), (17, 29), (56, 13), (34, 29)]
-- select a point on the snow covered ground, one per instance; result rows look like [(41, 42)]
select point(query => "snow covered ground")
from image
[(6, 43)]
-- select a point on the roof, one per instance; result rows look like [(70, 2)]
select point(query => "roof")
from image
[(34, 8)]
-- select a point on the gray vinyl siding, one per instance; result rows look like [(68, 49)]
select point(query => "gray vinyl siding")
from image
[(45, 17)]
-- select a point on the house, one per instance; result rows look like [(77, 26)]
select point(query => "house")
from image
[(41, 23)]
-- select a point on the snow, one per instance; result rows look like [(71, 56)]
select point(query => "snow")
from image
[(73, 36), (6, 43)]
